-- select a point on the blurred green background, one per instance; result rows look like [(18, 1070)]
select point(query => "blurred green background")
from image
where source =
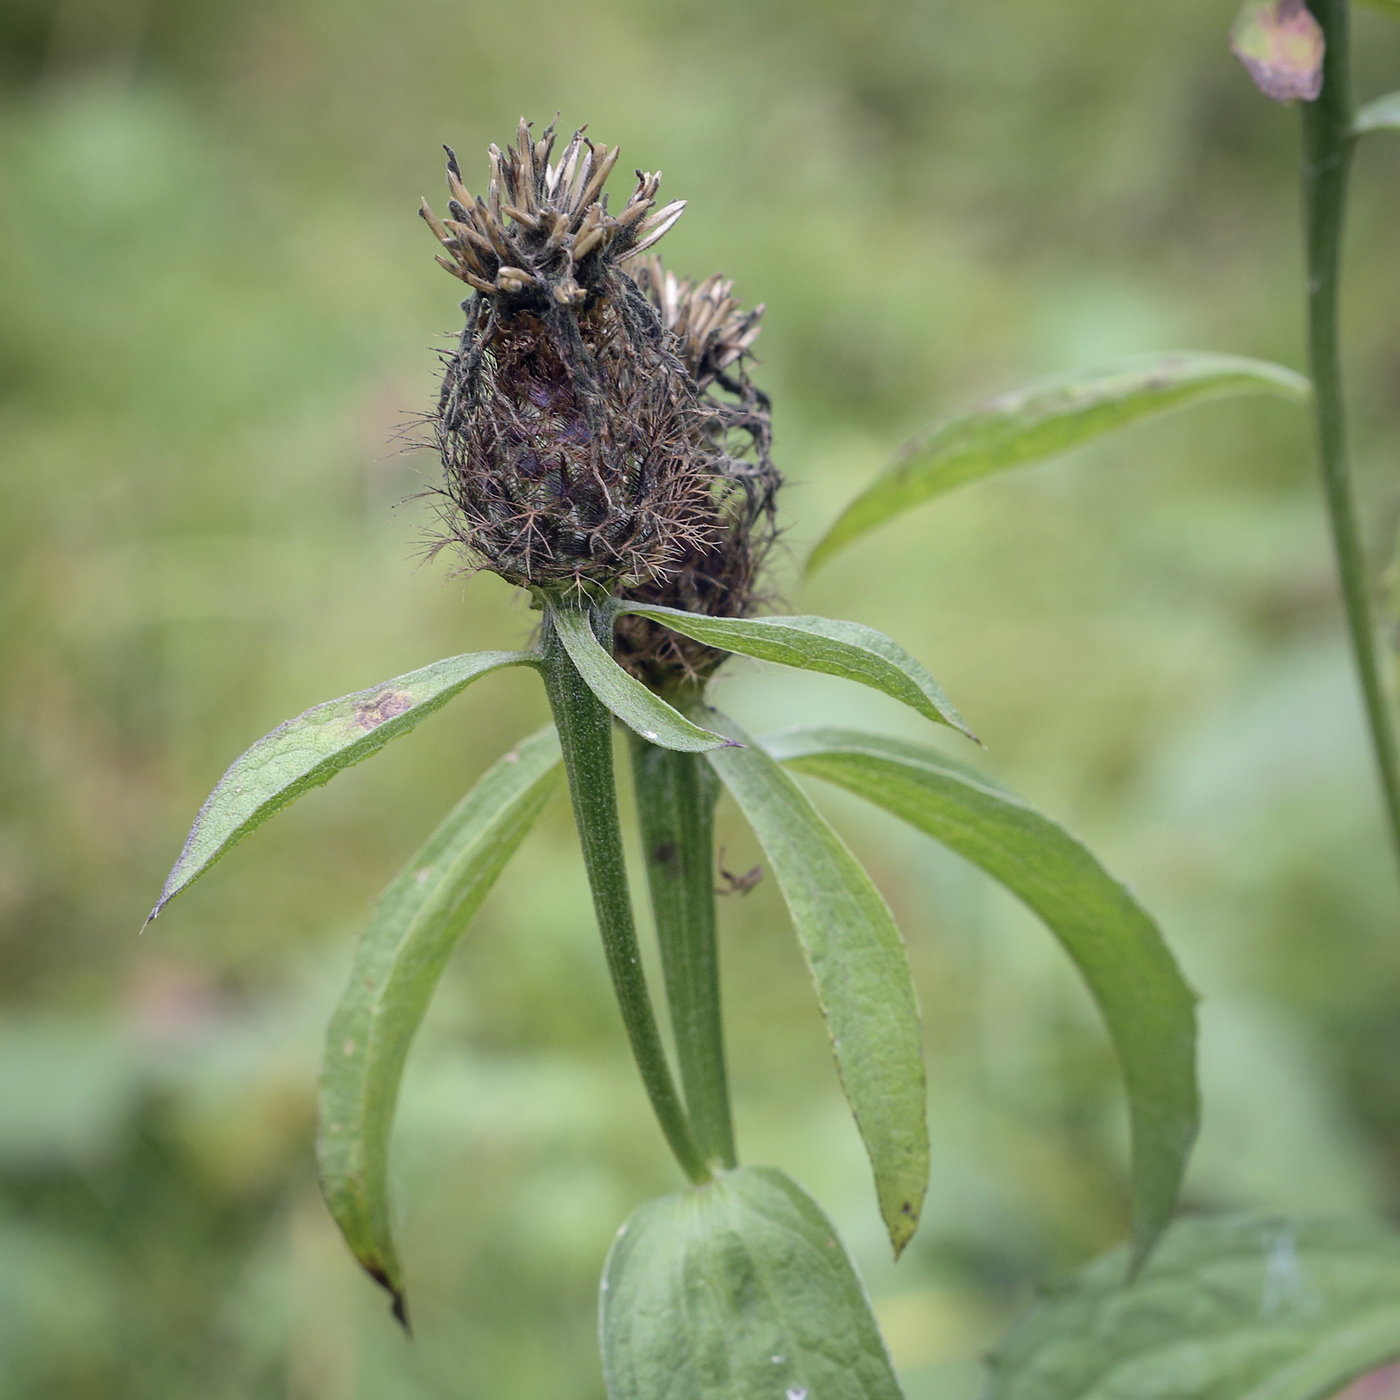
[(218, 310)]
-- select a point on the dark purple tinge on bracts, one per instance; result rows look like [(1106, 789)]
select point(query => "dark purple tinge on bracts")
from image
[(572, 436), (720, 572)]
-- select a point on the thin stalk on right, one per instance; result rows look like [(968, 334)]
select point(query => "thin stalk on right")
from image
[(1328, 139)]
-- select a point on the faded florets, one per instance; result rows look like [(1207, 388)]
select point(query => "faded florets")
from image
[(719, 570), (574, 443)]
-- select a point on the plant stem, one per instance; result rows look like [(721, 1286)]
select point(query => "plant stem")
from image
[(676, 795), (1327, 148), (585, 735)]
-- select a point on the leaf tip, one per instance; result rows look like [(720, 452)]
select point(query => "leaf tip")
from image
[(399, 1302), (901, 1223)]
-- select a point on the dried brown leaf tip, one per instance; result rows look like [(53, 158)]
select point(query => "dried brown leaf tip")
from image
[(719, 570), (573, 442), (1282, 46)]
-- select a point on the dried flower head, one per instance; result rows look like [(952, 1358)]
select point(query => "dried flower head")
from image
[(719, 571), (571, 435)]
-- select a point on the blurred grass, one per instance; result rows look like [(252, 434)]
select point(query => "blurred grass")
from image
[(217, 312)]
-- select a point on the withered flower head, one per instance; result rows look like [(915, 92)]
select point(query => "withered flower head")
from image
[(575, 451), (719, 567)]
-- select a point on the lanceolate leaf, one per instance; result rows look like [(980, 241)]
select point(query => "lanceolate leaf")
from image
[(397, 964), (860, 968), (636, 706), (311, 749), (1246, 1308), (1132, 975), (1381, 115), (845, 649), (1046, 419), (736, 1290)]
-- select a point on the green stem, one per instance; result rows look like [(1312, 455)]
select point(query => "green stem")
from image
[(585, 735), (1327, 148), (676, 796)]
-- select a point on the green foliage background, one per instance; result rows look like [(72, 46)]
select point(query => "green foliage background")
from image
[(218, 309)]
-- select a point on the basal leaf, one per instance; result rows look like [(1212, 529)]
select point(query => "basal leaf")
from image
[(845, 649), (1381, 115), (311, 749), (1149, 1009), (636, 706), (397, 965), (860, 968), (736, 1290), (1246, 1308), (1045, 419)]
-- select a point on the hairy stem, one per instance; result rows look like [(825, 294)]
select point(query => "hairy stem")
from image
[(585, 734), (1327, 148), (676, 795)]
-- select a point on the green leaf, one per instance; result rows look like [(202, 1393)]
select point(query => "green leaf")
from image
[(1386, 7), (844, 649), (1045, 419), (636, 706), (1244, 1308), (310, 750), (1149, 1009), (397, 964), (735, 1290), (858, 962), (1281, 46), (1381, 115)]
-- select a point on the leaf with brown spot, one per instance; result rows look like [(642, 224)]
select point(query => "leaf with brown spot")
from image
[(1282, 46), (310, 750)]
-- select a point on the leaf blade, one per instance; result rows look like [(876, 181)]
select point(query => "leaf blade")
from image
[(311, 749), (1243, 1308), (1131, 974), (1045, 419), (738, 1289), (1381, 115), (398, 962), (859, 965), (637, 707), (846, 649)]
